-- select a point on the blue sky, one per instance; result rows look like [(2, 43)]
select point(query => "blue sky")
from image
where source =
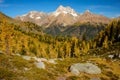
[(109, 8)]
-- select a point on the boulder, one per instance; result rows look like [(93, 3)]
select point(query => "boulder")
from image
[(85, 67), (40, 65)]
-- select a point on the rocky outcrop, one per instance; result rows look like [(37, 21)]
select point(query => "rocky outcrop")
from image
[(26, 57), (39, 62), (85, 67), (40, 65), (52, 61)]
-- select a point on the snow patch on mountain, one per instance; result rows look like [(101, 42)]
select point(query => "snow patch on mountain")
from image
[(31, 16), (24, 15), (65, 10), (38, 17), (74, 14), (56, 13), (63, 16)]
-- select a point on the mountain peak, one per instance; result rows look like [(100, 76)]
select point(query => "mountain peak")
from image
[(33, 16), (87, 12), (61, 7), (33, 12), (65, 10)]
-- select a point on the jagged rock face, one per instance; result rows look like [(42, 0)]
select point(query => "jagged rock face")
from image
[(62, 21), (65, 10), (93, 18), (63, 16), (33, 16)]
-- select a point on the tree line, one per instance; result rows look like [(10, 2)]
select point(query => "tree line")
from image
[(14, 39)]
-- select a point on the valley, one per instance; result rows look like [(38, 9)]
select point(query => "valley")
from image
[(62, 45)]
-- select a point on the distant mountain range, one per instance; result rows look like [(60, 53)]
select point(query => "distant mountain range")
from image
[(64, 16), (64, 21)]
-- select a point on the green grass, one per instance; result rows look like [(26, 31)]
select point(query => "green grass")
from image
[(16, 68), (7, 74), (13, 68)]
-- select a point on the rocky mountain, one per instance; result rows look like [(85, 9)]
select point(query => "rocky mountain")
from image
[(59, 20), (21, 26), (87, 23), (88, 16), (65, 10), (78, 30), (33, 16), (67, 22), (63, 16)]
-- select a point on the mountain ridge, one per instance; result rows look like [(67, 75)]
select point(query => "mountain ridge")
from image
[(66, 16), (5, 18), (65, 24)]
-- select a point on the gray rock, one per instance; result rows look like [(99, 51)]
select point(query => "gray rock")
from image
[(95, 79), (59, 59), (85, 67), (17, 54), (37, 59), (61, 78), (111, 56), (26, 69), (44, 59), (1, 52), (119, 55), (26, 57), (40, 65), (52, 61)]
